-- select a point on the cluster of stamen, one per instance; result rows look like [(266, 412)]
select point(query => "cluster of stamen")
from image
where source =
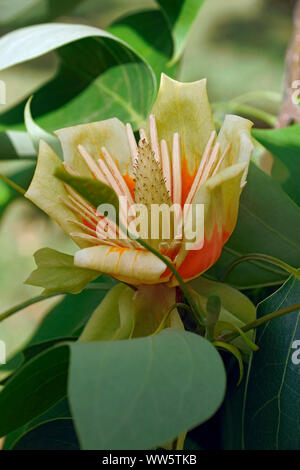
[(158, 180)]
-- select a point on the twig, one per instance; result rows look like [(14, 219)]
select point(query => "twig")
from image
[(256, 323)]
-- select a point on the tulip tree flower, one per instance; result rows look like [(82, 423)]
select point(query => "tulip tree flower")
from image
[(179, 159)]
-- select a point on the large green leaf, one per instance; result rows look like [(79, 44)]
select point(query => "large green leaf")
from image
[(284, 144), (100, 76), (58, 434), (34, 389), (272, 398), (56, 273), (137, 30), (17, 13), (269, 223), (181, 15), (59, 410), (141, 393)]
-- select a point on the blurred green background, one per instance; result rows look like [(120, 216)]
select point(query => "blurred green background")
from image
[(238, 45)]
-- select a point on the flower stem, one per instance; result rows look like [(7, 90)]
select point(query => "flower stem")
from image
[(40, 298), (166, 317), (261, 321), (198, 315), (13, 185), (26, 303)]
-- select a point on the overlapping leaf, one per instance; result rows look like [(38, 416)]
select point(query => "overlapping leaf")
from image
[(99, 76), (284, 144), (142, 393), (181, 15), (272, 396), (17, 13), (44, 376)]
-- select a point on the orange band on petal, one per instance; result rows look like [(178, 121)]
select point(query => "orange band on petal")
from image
[(196, 262), (187, 178), (130, 183)]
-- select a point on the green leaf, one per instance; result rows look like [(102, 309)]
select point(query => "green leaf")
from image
[(36, 133), (268, 223), (58, 434), (15, 144), (137, 30), (59, 410), (236, 308), (284, 144), (17, 13), (100, 76), (143, 392), (235, 352), (231, 411), (181, 15), (56, 273), (34, 389), (94, 191), (114, 318), (68, 317), (271, 402)]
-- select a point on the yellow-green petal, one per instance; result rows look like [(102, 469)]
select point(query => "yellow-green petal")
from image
[(236, 131), (220, 196), (45, 191), (184, 108), (110, 134)]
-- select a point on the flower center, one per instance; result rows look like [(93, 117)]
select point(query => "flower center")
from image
[(158, 180)]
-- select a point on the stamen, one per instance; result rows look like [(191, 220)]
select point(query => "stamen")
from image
[(224, 155), (93, 167), (109, 177), (204, 159), (117, 175), (210, 164), (112, 182), (108, 230), (70, 169), (86, 210), (77, 211), (166, 167), (154, 138), (83, 227), (132, 144), (143, 135), (86, 237), (78, 198), (176, 166)]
